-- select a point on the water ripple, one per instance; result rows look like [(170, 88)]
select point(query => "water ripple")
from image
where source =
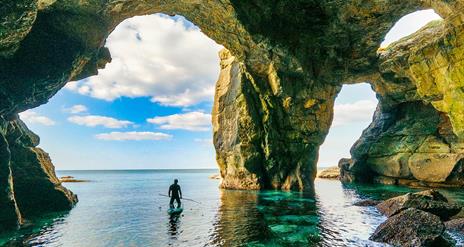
[(123, 209)]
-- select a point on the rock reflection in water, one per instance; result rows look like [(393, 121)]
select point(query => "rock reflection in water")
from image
[(266, 218), (238, 221), (291, 218)]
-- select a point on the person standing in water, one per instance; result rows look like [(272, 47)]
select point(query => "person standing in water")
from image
[(175, 193)]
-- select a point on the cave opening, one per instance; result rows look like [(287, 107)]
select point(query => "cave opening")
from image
[(152, 101), (408, 25), (356, 103), (353, 111)]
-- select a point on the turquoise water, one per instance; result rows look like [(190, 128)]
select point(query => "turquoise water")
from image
[(124, 208)]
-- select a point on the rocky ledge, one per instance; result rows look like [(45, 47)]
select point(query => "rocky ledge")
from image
[(416, 219), (329, 173), (71, 179), (32, 188)]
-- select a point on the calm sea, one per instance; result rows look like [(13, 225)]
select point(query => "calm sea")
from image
[(125, 208)]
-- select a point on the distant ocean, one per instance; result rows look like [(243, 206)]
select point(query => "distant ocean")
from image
[(124, 208)]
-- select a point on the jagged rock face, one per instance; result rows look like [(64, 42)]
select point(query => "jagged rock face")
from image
[(413, 227), (33, 188), (251, 138), (10, 215), (416, 137), (34, 175), (284, 65)]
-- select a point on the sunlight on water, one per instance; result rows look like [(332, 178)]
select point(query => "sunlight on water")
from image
[(123, 208)]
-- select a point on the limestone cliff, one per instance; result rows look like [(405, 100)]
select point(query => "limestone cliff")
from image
[(417, 133), (32, 188), (284, 65)]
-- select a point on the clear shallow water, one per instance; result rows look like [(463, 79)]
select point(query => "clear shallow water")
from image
[(124, 208)]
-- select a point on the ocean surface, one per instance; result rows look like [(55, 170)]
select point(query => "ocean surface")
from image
[(126, 208)]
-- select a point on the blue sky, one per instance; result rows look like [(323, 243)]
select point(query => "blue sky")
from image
[(150, 107)]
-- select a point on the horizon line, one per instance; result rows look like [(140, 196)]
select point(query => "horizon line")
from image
[(137, 169)]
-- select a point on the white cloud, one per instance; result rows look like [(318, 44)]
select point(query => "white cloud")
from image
[(158, 57), (358, 112), (93, 121), (133, 136), (193, 121), (75, 109), (409, 24), (32, 117)]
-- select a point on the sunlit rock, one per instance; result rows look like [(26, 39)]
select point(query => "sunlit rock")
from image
[(329, 173), (430, 201), (413, 228)]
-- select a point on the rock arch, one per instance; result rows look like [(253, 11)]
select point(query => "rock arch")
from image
[(285, 64)]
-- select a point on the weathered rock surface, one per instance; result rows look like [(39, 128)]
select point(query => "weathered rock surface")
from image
[(285, 63), (456, 225), (417, 131), (33, 187), (430, 201), (412, 227)]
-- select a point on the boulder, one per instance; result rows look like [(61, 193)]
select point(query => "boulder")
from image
[(412, 227), (329, 173), (433, 167), (430, 201)]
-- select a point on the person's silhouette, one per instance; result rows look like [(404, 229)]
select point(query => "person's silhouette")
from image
[(175, 193)]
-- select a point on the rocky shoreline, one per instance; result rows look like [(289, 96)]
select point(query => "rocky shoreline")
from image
[(71, 179), (417, 219)]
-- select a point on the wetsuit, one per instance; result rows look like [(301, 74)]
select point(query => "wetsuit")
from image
[(175, 193)]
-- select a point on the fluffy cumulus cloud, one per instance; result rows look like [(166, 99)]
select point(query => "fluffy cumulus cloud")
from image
[(192, 121), (133, 136), (94, 121), (32, 117), (76, 109), (358, 112), (166, 59)]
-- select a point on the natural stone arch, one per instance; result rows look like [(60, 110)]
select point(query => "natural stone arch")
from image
[(416, 136), (285, 65)]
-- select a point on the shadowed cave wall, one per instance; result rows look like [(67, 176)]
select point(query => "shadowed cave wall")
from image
[(284, 65)]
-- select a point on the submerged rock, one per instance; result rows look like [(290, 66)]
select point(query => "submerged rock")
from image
[(412, 228), (366, 203), (430, 201), (329, 173)]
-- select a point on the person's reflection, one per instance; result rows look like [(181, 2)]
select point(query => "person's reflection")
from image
[(174, 224)]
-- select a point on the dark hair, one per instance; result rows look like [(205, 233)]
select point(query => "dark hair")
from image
[(176, 181)]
